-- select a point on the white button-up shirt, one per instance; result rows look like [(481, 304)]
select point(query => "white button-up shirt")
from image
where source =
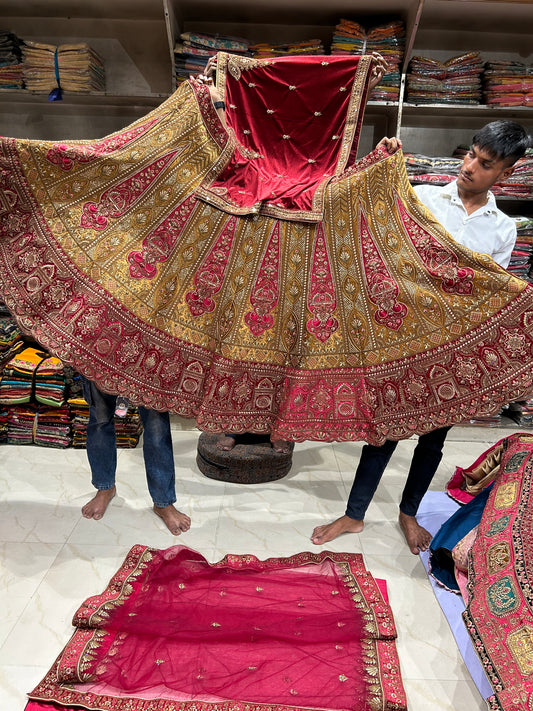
[(487, 230)]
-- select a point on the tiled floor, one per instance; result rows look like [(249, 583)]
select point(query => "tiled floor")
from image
[(51, 558)]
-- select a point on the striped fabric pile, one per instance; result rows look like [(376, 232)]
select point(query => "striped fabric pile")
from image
[(192, 52), (33, 376), (456, 81), (10, 61), (74, 68), (521, 264), (350, 37), (38, 424), (508, 83)]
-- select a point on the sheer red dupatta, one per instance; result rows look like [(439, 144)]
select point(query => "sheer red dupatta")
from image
[(311, 631), (294, 131)]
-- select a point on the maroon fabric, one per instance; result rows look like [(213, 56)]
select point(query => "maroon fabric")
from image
[(295, 130)]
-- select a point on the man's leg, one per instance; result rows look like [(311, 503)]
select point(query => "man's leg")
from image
[(424, 464), (101, 448), (372, 464), (160, 472)]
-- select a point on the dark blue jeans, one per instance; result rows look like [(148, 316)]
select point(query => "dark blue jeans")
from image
[(372, 464), (102, 450)]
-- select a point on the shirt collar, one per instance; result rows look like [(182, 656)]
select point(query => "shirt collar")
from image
[(449, 191)]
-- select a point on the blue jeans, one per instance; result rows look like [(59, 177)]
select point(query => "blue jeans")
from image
[(426, 459), (102, 446)]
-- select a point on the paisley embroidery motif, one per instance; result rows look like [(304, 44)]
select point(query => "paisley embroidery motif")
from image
[(322, 301), (265, 291)]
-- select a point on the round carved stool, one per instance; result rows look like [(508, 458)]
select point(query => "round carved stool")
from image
[(251, 461)]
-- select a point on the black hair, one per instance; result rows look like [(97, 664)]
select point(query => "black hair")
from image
[(505, 140)]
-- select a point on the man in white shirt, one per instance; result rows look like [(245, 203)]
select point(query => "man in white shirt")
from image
[(467, 210)]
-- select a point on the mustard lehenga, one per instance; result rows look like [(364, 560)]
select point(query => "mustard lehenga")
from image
[(259, 278)]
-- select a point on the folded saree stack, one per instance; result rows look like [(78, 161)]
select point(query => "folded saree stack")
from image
[(10, 61), (74, 68), (350, 37), (508, 83), (10, 339), (521, 264), (40, 425), (455, 81), (259, 278), (192, 52)]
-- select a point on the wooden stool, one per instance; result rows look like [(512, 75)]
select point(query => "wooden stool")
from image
[(251, 461)]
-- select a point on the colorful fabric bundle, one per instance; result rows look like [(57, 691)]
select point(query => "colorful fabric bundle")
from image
[(389, 40), (69, 67), (431, 169), (18, 376), (37, 424), (50, 382), (310, 632), (455, 81), (192, 53), (508, 83), (10, 61)]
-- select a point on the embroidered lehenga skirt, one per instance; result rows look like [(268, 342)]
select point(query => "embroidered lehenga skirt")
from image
[(257, 278)]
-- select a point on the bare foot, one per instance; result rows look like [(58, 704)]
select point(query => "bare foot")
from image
[(175, 521), (226, 442), (344, 524), (281, 446), (96, 507), (418, 539)]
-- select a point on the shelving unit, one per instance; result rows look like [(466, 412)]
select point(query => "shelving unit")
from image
[(136, 39)]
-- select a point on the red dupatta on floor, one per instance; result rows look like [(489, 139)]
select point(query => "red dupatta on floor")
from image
[(172, 631)]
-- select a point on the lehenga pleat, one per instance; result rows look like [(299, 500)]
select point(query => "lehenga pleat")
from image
[(354, 318)]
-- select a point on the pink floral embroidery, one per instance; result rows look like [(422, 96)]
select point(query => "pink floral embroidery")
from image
[(264, 294), (208, 279), (322, 301), (382, 289)]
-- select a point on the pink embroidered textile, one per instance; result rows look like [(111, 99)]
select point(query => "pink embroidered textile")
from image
[(362, 319), (172, 631), (499, 615)]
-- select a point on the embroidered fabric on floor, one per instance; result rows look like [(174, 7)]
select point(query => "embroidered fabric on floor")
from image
[(335, 309), (499, 614), (172, 631)]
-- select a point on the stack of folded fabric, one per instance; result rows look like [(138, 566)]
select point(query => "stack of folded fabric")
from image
[(11, 339), (350, 37), (521, 262), (508, 83), (128, 429), (3, 423), (265, 50), (16, 386), (73, 68), (456, 81), (520, 183), (37, 424), (192, 53), (429, 169), (10, 61), (50, 383)]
